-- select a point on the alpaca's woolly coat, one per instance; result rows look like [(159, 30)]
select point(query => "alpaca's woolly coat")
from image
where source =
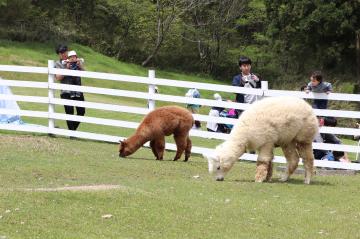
[(280, 121), (276, 119), (159, 123)]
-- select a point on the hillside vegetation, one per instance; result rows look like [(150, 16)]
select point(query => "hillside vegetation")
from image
[(285, 39)]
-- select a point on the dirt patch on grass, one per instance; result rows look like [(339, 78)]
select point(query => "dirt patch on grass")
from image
[(32, 143), (89, 188)]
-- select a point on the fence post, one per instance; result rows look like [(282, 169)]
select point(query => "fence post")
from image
[(264, 87), (151, 103), (51, 94)]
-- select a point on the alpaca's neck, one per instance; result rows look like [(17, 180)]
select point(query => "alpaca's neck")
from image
[(136, 141), (232, 150), (238, 141)]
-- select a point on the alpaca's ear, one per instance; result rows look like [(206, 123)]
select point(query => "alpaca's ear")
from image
[(211, 162), (210, 156), (122, 143)]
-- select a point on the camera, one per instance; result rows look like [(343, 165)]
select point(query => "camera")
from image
[(73, 65)]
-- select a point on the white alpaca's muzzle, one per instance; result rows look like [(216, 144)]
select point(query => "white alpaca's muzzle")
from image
[(214, 166)]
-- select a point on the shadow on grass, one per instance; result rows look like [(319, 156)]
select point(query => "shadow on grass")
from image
[(164, 160), (292, 181)]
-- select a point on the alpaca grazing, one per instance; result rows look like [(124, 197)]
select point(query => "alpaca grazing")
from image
[(282, 121), (159, 123)]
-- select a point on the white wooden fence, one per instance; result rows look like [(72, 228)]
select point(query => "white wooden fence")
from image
[(51, 100)]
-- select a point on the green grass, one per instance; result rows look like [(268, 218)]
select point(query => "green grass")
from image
[(160, 199)]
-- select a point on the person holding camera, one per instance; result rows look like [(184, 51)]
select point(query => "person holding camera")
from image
[(69, 60), (246, 79), (318, 85)]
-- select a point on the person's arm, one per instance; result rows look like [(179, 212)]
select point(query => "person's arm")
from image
[(59, 66), (328, 88), (331, 139), (236, 81), (257, 80), (80, 64), (59, 77)]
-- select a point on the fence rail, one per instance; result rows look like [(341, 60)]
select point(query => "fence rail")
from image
[(151, 97)]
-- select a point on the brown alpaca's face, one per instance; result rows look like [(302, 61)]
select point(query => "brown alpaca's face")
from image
[(123, 149)]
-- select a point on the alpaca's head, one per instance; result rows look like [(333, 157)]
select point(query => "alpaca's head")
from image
[(223, 158), (124, 149), (217, 166)]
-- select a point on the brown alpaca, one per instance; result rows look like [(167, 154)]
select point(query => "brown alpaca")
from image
[(159, 123)]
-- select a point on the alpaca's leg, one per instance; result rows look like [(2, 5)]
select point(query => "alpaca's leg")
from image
[(188, 149), (292, 159), (264, 163), (158, 147), (269, 172), (153, 149), (181, 143), (306, 153)]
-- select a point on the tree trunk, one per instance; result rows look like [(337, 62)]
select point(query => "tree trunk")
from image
[(358, 55), (357, 85), (151, 56)]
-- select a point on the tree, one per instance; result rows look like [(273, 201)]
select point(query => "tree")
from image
[(167, 12), (308, 34), (210, 25)]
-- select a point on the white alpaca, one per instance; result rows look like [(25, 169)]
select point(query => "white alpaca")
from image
[(287, 122)]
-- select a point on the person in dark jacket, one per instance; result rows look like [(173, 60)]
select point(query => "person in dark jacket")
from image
[(246, 79)]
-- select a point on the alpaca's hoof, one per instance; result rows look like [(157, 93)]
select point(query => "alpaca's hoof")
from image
[(175, 159), (220, 179)]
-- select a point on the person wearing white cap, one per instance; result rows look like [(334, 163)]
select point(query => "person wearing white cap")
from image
[(69, 60)]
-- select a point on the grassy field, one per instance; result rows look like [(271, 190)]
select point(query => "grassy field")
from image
[(156, 199)]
